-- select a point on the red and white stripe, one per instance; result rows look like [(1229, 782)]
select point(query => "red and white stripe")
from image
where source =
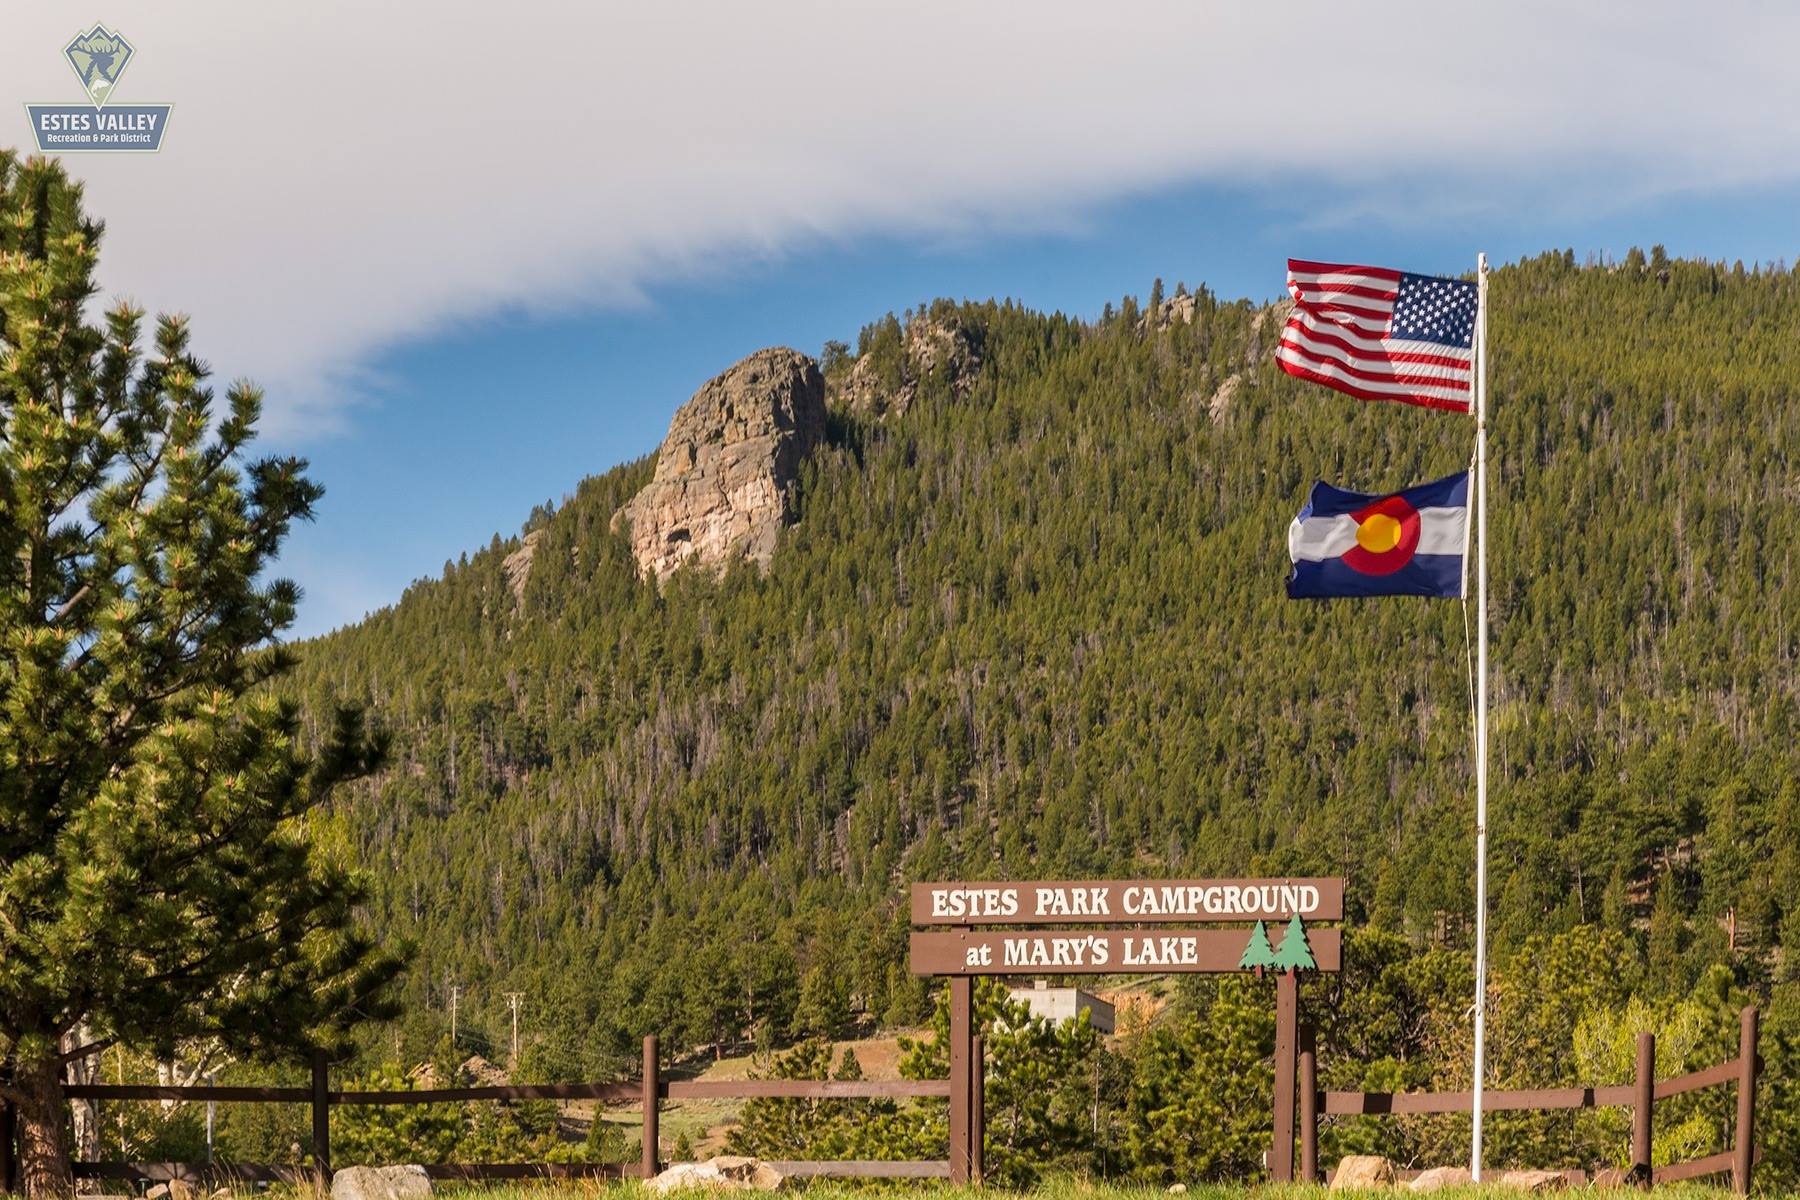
[(1338, 333)]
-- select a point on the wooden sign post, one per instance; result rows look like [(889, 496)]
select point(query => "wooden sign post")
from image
[(1045, 932)]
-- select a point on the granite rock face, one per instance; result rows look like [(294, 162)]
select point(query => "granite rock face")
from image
[(518, 565), (929, 346), (1175, 310), (724, 479)]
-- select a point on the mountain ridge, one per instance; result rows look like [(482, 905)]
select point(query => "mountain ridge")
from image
[(1032, 620)]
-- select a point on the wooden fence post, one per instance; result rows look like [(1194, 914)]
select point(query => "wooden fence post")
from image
[(652, 1109), (961, 1094), (1309, 1112), (1287, 1012), (1744, 1152), (9, 1133), (321, 1118), (977, 1108), (1643, 1100)]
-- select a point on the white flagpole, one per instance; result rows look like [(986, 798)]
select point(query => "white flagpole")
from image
[(1481, 706)]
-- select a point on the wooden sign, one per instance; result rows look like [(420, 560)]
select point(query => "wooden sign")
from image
[(1114, 951), (1124, 901), (1270, 936)]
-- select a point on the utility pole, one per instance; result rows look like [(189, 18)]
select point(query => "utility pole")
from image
[(455, 990), (513, 1000)]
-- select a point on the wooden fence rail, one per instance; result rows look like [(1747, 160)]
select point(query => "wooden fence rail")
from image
[(1640, 1096), (650, 1091), (964, 1090)]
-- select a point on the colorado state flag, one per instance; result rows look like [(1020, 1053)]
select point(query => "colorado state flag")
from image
[(1409, 543)]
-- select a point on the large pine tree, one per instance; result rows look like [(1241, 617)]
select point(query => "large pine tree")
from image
[(156, 881)]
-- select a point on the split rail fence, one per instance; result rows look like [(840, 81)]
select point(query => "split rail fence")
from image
[(964, 1090), (1641, 1096), (650, 1091)]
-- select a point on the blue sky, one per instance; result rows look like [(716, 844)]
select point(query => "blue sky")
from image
[(475, 258), (475, 426)]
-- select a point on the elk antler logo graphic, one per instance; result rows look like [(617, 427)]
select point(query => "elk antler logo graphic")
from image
[(98, 57)]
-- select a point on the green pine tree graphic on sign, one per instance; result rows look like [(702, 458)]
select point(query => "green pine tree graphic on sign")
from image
[(1295, 953), (1258, 954)]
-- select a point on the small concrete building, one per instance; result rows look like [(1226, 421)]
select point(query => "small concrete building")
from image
[(1064, 1004)]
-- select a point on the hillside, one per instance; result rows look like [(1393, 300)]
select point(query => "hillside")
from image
[(1029, 618)]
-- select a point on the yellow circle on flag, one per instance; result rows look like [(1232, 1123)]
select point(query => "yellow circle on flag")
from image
[(1378, 534)]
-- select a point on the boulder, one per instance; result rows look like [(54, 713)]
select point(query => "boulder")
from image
[(1440, 1177), (174, 1189), (1534, 1181), (408, 1182), (724, 475), (1362, 1171), (725, 1172)]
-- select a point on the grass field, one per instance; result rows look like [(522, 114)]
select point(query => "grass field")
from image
[(1061, 1189)]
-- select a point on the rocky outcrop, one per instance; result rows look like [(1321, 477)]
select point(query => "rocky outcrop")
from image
[(483, 1072), (725, 474), (1220, 405), (930, 345), (1265, 330), (1176, 310), (380, 1183), (517, 565)]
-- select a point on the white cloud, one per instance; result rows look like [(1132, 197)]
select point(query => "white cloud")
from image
[(338, 176)]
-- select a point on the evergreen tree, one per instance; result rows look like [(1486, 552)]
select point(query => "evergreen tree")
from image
[(156, 880), (792, 1129), (849, 1067), (606, 1141), (907, 999), (1037, 1095), (387, 1133), (1198, 1103), (824, 1010), (1666, 939)]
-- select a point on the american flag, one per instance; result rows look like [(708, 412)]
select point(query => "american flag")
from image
[(1381, 334)]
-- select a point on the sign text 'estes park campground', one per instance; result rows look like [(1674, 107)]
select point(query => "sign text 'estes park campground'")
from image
[(963, 950), (1179, 900)]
